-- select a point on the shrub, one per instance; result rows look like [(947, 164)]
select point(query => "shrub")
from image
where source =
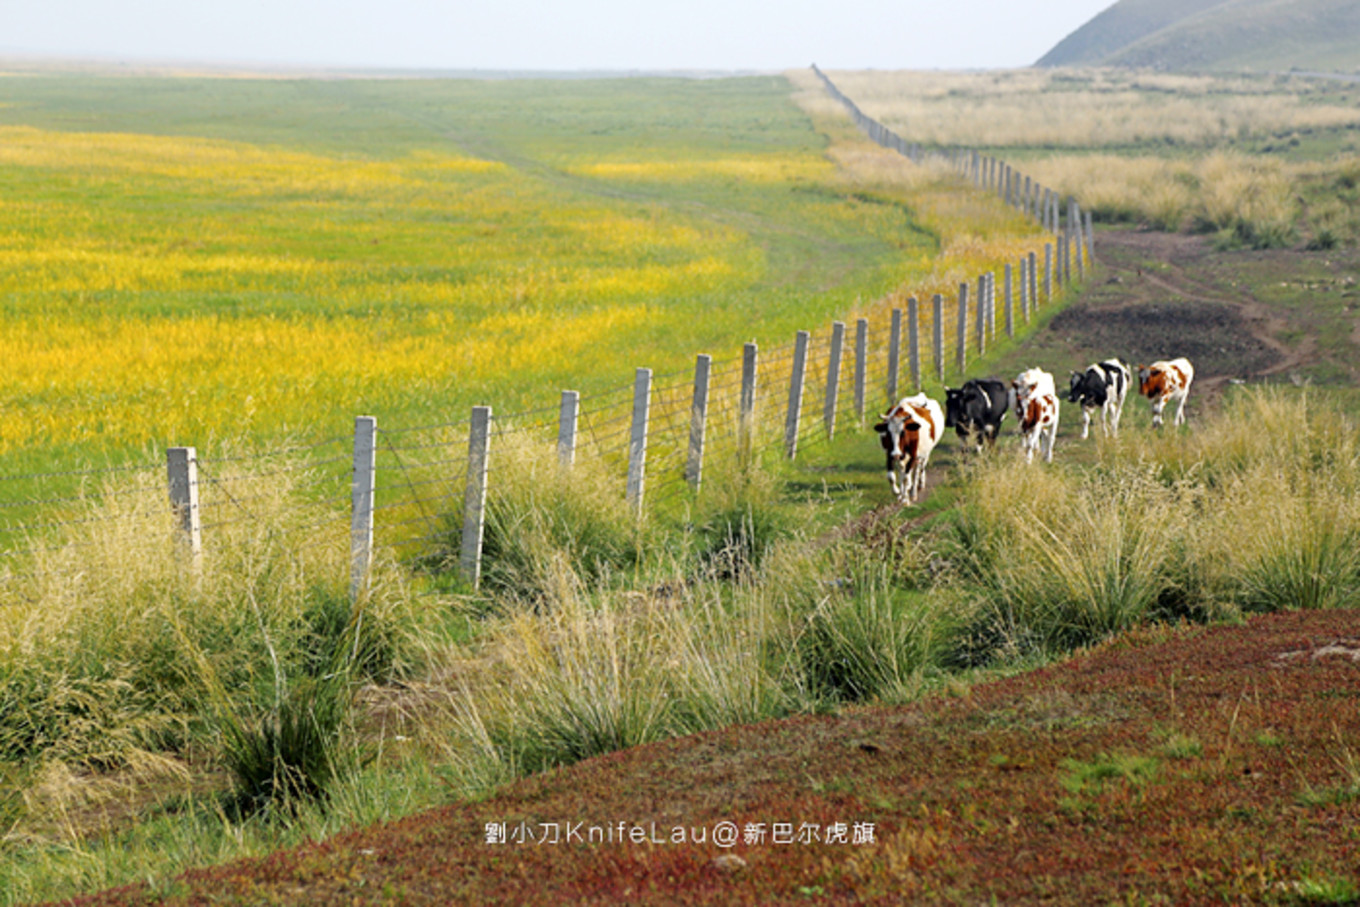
[(291, 751)]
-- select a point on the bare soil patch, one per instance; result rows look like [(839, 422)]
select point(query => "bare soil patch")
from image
[(1163, 295)]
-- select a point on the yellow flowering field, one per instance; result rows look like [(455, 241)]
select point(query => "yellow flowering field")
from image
[(176, 274)]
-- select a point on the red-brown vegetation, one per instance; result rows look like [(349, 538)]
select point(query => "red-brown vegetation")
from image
[(1187, 765)]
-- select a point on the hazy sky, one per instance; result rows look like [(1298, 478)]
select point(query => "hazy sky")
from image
[(539, 34)]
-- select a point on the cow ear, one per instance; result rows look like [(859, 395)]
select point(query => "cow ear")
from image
[(881, 427)]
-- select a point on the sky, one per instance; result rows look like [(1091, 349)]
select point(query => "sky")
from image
[(541, 35)]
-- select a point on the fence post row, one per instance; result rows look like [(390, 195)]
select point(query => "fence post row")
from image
[(637, 439), (800, 351), (363, 487), (568, 416), (833, 377), (698, 421), (181, 467)]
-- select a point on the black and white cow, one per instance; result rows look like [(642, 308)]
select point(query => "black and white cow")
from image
[(975, 411), (1103, 387)]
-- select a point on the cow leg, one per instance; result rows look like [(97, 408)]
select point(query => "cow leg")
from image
[(1180, 412), (1157, 407), (892, 476), (1085, 421)]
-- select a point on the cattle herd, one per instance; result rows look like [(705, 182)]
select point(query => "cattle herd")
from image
[(912, 428)]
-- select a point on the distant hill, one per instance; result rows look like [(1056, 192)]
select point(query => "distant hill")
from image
[(1266, 35)]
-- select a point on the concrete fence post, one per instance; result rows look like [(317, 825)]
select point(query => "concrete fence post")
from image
[(991, 305), (1090, 239), (961, 342), (181, 467), (568, 415), (746, 412), (1048, 272), (1024, 288), (474, 499), (981, 318), (1010, 302), (861, 365), (1065, 256), (895, 350), (1079, 240), (795, 409), (362, 489), (913, 344), (937, 328), (637, 437), (698, 420), (1033, 282), (833, 377)]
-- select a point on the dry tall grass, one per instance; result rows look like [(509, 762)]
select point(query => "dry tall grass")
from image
[(1086, 108), (1227, 520)]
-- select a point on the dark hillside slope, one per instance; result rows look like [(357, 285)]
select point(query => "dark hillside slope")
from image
[(1119, 26), (1195, 35)]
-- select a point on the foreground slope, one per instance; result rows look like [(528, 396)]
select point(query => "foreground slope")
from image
[(1262, 35), (1195, 764)]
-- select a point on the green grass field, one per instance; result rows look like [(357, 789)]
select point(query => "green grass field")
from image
[(199, 258)]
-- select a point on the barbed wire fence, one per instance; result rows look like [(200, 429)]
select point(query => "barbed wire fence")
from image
[(421, 491)]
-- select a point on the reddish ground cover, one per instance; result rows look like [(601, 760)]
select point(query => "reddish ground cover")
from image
[(1186, 766)]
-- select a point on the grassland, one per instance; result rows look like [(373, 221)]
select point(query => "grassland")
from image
[(170, 720), (246, 265)]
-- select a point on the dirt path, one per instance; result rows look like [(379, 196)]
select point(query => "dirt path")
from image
[(1161, 267)]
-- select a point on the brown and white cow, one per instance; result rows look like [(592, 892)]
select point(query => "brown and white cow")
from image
[(909, 432), (1163, 382), (1035, 401)]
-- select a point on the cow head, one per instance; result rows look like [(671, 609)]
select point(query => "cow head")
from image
[(1075, 389), (1150, 381), (894, 431), (884, 434), (1089, 388), (953, 406)]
